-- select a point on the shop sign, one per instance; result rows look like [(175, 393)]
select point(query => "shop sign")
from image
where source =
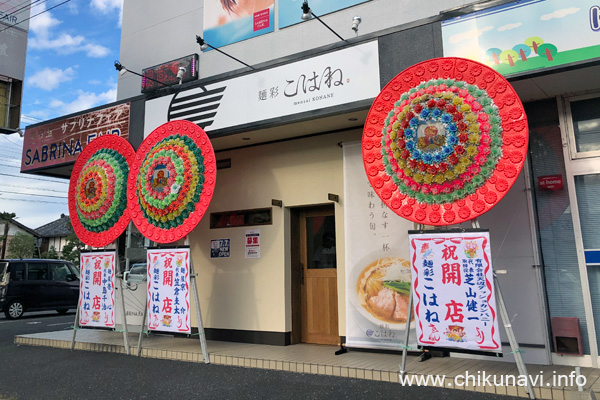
[(526, 35), (453, 290), (550, 182), (60, 142), (97, 289), (169, 290), (220, 248), (253, 243), (167, 73), (333, 79)]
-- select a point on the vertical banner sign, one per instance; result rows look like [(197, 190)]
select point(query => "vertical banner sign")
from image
[(97, 289), (169, 290), (377, 263), (453, 289), (253, 243)]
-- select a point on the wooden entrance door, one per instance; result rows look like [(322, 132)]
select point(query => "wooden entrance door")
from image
[(318, 276)]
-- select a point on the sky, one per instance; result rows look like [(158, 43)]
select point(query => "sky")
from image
[(69, 68)]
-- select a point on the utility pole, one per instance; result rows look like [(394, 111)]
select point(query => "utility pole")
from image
[(6, 217)]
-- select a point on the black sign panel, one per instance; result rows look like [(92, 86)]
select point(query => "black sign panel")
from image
[(167, 73)]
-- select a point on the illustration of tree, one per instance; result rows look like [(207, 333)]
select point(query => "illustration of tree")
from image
[(548, 51), (493, 55), (523, 50), (509, 57), (534, 43)]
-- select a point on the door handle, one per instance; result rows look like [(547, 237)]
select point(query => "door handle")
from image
[(302, 273)]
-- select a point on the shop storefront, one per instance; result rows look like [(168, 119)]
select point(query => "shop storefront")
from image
[(293, 222)]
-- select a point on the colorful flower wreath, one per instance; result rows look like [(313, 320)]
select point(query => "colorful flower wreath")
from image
[(444, 141), (172, 181), (97, 191)]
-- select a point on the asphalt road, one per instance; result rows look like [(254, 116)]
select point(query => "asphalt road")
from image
[(37, 373)]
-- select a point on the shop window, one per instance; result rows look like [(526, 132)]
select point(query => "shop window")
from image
[(585, 126), (230, 219)]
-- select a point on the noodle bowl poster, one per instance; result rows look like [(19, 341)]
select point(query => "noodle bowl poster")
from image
[(453, 289), (169, 290)]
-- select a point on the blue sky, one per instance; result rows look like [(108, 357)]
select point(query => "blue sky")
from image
[(69, 68)]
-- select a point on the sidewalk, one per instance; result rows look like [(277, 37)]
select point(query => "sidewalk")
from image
[(320, 359)]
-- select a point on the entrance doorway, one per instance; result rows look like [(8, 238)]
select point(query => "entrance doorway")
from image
[(314, 276)]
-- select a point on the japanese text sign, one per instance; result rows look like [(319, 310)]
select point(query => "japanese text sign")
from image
[(169, 290), (453, 289), (97, 289)]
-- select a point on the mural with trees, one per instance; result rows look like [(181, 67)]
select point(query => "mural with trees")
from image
[(522, 51)]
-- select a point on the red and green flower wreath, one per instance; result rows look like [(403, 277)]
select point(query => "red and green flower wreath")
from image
[(98, 188), (444, 141), (171, 181)]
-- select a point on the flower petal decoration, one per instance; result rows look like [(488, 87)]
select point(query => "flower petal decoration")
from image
[(444, 141), (98, 190), (171, 181)]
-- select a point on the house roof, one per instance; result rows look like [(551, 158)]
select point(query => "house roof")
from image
[(25, 228), (59, 227)]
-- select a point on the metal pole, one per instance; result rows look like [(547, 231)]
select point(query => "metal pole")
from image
[(123, 316), (139, 346), (76, 323), (198, 313), (514, 345), (406, 335)]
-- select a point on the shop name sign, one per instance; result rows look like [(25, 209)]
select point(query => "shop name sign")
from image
[(340, 77), (60, 142), (550, 182)]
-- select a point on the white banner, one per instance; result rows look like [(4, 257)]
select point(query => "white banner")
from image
[(377, 263), (169, 290), (453, 293), (340, 77), (252, 245), (97, 289)]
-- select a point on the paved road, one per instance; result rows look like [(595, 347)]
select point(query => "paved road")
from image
[(44, 373)]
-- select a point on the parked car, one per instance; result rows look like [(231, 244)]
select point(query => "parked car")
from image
[(37, 285), (136, 274)]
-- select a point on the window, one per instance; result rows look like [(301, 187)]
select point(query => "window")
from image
[(60, 272), (38, 272), (585, 126), (17, 271), (230, 219)]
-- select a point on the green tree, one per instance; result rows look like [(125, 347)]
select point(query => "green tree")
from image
[(509, 57), (548, 51), (51, 254), (73, 248), (534, 42), (21, 245), (5, 217)]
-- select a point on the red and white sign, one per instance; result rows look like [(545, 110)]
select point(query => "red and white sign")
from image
[(97, 289), (453, 289), (169, 290), (550, 182), (253, 243)]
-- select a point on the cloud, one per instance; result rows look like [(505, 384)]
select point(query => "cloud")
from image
[(559, 13), (51, 78), (44, 37), (85, 100), (508, 27), (108, 6), (469, 35)]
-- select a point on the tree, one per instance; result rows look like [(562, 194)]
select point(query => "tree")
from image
[(509, 57), (534, 42), (493, 55), (523, 50), (73, 248), (6, 218), (548, 51), (21, 245), (51, 254)]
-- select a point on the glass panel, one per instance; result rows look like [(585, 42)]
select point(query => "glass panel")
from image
[(555, 225), (586, 124), (320, 240), (38, 272), (17, 271), (60, 272), (588, 190)]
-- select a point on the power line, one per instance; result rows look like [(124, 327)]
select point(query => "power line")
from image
[(27, 19), (22, 8), (30, 177), (32, 188), (32, 201), (33, 194), (10, 141)]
